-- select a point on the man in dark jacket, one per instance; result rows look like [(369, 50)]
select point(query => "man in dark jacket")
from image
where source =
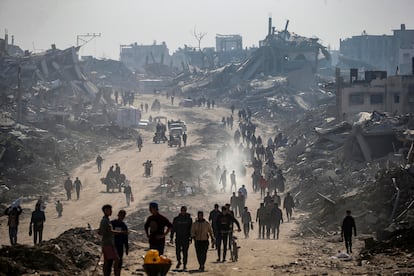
[(13, 222), (68, 185), (276, 217), (288, 204), (348, 224), (224, 223), (36, 224), (212, 218), (182, 230), (78, 185), (121, 240)]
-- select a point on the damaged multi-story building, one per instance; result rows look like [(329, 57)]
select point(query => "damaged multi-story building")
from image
[(136, 56), (9, 49), (375, 92), (229, 49), (392, 53)]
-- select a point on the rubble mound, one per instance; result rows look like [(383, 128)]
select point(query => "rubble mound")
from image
[(72, 252)]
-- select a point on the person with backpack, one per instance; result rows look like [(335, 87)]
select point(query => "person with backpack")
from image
[(13, 213), (36, 224)]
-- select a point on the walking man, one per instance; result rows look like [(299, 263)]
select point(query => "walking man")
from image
[(109, 252), (225, 221), (260, 219), (99, 161), (78, 185), (182, 230), (120, 240), (68, 187), (348, 224), (155, 228), (59, 208), (223, 180), (233, 181), (288, 204), (212, 218), (128, 194), (201, 231), (13, 213), (277, 217), (36, 224), (234, 202), (185, 139), (246, 221)]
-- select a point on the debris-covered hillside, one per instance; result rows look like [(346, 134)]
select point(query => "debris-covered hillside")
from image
[(53, 117)]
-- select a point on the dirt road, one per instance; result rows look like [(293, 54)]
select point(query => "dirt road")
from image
[(256, 256)]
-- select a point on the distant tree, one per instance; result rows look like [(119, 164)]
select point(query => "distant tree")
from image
[(198, 36)]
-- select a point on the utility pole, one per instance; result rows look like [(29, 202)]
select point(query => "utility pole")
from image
[(81, 40)]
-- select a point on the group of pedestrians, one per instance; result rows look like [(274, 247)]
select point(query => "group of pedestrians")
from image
[(70, 186), (157, 227), (114, 240), (37, 221), (218, 230)]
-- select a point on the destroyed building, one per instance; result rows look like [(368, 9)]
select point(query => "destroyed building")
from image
[(229, 49), (282, 52), (136, 57), (372, 52), (375, 92), (9, 49)]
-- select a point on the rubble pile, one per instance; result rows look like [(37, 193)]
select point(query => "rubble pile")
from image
[(54, 69), (42, 156), (63, 117), (359, 167), (69, 254), (268, 97), (109, 73)]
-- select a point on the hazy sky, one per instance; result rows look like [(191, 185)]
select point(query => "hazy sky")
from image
[(36, 24)]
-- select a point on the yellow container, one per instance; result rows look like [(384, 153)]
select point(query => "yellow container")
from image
[(164, 260), (152, 257)]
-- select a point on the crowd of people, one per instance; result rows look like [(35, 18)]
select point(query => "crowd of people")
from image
[(217, 229)]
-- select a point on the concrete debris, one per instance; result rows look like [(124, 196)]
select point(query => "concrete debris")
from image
[(331, 169), (68, 254)]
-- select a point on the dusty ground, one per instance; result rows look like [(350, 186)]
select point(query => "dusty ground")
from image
[(292, 254)]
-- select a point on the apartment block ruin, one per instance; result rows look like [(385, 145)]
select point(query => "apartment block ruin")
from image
[(375, 92), (372, 52), (136, 56)]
